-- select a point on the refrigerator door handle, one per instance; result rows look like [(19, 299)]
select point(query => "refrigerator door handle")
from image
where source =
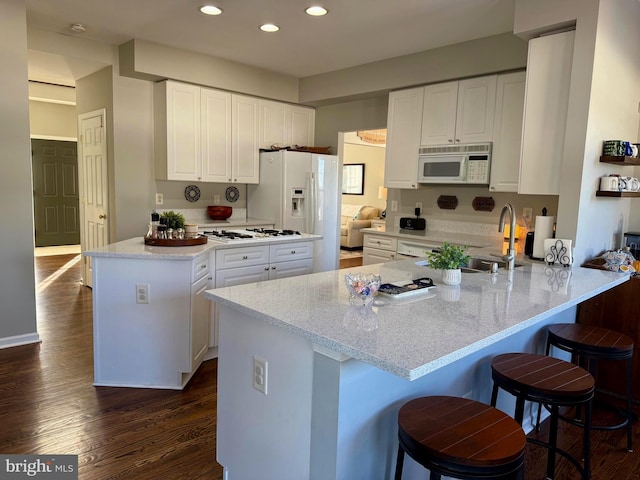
[(312, 205), (308, 207)]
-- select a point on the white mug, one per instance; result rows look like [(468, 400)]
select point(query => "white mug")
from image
[(609, 184)]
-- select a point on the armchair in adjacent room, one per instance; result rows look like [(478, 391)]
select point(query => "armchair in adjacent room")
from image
[(354, 218)]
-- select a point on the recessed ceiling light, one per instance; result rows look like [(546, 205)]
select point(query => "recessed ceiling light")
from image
[(78, 28), (269, 27), (210, 10), (316, 11)]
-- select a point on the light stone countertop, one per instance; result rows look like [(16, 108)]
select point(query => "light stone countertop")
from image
[(411, 338), (136, 248)]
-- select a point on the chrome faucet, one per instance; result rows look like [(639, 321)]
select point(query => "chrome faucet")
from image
[(510, 257)]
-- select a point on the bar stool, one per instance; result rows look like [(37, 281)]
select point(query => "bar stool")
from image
[(552, 382), (460, 438), (590, 344)]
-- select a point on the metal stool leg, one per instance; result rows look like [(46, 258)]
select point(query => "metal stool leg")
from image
[(629, 363), (586, 447), (399, 463), (553, 441), (494, 394)]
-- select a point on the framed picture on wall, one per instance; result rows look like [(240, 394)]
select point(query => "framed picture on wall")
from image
[(353, 179)]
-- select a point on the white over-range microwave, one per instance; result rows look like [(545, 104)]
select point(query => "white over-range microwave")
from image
[(464, 163)]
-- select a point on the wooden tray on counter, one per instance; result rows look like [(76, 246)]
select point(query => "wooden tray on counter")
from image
[(175, 242)]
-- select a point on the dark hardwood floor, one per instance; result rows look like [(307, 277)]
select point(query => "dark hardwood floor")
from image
[(48, 405)]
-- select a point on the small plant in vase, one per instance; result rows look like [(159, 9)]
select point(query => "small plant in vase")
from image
[(449, 259)]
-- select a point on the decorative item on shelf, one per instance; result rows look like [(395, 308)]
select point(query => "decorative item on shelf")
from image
[(362, 287), (619, 148), (449, 258), (558, 251), (219, 212), (483, 204), (447, 202), (192, 193), (232, 194)]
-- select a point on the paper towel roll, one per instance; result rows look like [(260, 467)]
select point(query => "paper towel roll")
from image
[(544, 230)]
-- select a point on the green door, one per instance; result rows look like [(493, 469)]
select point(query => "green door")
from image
[(55, 193)]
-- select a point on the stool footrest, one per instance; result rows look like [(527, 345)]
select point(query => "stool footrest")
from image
[(559, 451)]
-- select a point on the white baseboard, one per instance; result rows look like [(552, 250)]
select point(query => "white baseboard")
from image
[(18, 340)]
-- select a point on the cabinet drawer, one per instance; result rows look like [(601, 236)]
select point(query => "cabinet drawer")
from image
[(200, 268), (375, 255), (381, 242), (242, 275), (290, 251), (241, 257)]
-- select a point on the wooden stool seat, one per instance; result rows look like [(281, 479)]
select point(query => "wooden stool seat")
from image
[(460, 438), (590, 344), (549, 381)]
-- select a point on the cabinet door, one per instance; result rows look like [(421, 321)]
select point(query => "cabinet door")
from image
[(373, 255), (475, 112), (404, 122), (301, 121), (439, 114), (273, 124), (242, 275), (507, 132), (183, 132), (199, 322), (545, 113), (290, 269), (215, 125), (245, 147)]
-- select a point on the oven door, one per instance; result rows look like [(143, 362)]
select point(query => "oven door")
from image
[(442, 168)]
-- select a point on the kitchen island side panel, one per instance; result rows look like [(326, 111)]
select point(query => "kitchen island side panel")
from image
[(140, 345)]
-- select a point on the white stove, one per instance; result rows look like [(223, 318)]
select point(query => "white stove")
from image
[(250, 235)]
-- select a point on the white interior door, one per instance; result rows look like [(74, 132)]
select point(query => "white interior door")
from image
[(92, 170)]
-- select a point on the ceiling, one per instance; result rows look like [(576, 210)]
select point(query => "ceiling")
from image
[(353, 33)]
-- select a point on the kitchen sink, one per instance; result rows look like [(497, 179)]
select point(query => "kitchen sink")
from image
[(475, 265)]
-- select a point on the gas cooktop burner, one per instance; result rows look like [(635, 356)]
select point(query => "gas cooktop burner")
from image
[(229, 235), (267, 232)]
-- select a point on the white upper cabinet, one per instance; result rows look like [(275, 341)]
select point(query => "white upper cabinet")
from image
[(404, 121), (245, 167), (507, 132), (459, 112), (284, 125), (545, 113), (215, 124), (439, 114), (177, 131)]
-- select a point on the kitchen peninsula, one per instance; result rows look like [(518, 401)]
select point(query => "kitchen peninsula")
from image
[(152, 325), (334, 375)]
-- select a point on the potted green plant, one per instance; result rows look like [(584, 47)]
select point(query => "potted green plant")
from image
[(449, 259), (173, 220)]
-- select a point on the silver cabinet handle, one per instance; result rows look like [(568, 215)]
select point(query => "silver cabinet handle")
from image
[(244, 257), (293, 252), (273, 268), (266, 269)]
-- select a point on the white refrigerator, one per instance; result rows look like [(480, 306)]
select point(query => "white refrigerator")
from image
[(301, 191)]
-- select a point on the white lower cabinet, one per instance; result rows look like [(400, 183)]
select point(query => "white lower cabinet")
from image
[(378, 249), (257, 263)]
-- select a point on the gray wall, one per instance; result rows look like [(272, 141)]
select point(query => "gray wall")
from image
[(17, 288)]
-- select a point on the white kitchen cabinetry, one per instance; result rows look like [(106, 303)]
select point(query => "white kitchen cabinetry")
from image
[(507, 132), (378, 249), (151, 320), (404, 120), (245, 167), (283, 124), (459, 112), (205, 135), (545, 113)]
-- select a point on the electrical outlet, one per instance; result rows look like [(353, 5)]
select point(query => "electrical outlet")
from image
[(527, 212), (159, 199), (394, 205), (142, 293), (260, 374), (216, 199)]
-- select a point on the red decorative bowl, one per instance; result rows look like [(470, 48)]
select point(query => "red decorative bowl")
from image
[(219, 212)]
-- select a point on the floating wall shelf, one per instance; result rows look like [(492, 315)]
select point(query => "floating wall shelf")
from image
[(600, 193), (620, 160)]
